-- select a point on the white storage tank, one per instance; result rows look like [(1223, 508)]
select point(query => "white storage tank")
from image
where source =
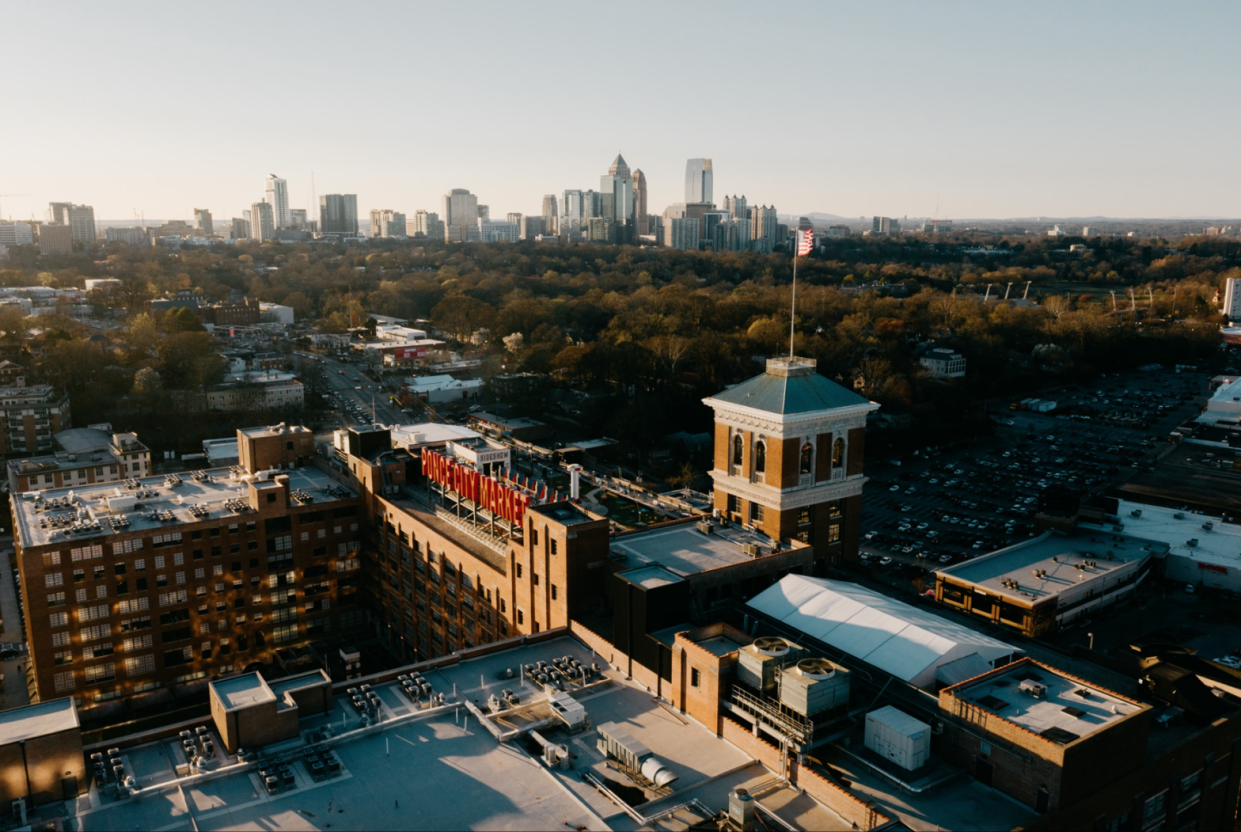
[(814, 685), (897, 736), (759, 664)]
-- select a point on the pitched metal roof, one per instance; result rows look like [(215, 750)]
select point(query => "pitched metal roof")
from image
[(911, 643), (790, 394)]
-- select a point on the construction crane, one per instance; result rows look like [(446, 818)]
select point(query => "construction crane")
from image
[(2, 196)]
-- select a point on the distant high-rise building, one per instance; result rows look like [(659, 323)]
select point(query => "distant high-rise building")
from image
[(1232, 299), (682, 233), (497, 231), (484, 212), (425, 224), (338, 214), (698, 181), (387, 223), (16, 234), (1088, 231), (532, 227), (460, 215), (82, 221), (202, 221), (549, 214), (240, 229), (55, 239), (883, 226), (79, 218), (737, 206), (764, 231), (262, 222), (642, 225), (278, 199), (298, 218), (513, 218), (601, 230), (616, 193), (58, 212)]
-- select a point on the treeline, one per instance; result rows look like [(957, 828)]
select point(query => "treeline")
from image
[(646, 333)]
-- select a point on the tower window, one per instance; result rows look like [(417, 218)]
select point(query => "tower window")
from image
[(760, 457), (756, 513), (807, 458), (738, 448), (838, 453)]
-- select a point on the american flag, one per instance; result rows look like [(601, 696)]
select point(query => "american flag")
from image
[(805, 242)]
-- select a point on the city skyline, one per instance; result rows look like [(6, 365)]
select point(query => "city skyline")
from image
[(1030, 113)]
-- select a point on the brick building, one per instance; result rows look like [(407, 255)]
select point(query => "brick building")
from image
[(789, 450), (85, 456), (29, 416), (159, 582)]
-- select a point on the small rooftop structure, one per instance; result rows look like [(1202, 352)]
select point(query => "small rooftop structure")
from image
[(41, 753), (250, 712), (910, 643)]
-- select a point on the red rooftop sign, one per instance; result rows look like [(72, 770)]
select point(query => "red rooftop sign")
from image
[(487, 493)]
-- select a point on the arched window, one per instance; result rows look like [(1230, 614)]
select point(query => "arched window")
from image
[(760, 457), (807, 458), (838, 453), (738, 447)]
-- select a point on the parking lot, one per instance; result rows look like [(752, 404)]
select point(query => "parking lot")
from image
[(944, 506)]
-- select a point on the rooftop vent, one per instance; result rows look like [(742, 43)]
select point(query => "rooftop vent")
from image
[(1032, 688), (1192, 543), (816, 668), (771, 646), (1137, 512)]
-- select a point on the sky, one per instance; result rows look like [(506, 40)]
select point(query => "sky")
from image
[(961, 109)]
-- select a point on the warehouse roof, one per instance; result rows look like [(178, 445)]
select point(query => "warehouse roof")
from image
[(1201, 538), (908, 642), (790, 387), (38, 720)]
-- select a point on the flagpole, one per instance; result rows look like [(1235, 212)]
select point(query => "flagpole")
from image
[(793, 310)]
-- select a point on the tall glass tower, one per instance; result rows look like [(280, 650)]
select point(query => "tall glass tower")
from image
[(698, 181)]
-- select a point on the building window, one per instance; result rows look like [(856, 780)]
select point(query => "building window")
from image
[(734, 504), (694, 677), (1154, 810), (738, 449), (838, 453), (553, 544), (803, 517), (807, 458), (555, 593), (760, 457), (833, 533), (756, 513)]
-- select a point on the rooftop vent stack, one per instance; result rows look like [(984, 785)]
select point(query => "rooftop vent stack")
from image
[(1192, 543), (741, 810)]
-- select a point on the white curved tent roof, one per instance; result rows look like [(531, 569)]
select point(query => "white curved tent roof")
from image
[(908, 642)]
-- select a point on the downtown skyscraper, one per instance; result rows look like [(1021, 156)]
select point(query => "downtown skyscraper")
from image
[(278, 199), (698, 181), (338, 214)]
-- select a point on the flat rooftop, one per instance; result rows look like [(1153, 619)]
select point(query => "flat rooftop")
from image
[(38, 720), (1190, 475), (67, 515), (1219, 545), (1066, 710), (684, 550), (1056, 554), (243, 691), (429, 433), (273, 430), (440, 769)]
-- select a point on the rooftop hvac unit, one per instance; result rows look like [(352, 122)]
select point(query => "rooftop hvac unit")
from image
[(759, 664), (751, 549), (897, 736), (706, 526), (618, 744), (1208, 526), (1192, 543), (1137, 512), (814, 685), (1032, 688), (1180, 515)]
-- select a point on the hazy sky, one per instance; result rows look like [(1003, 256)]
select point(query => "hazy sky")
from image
[(995, 109)]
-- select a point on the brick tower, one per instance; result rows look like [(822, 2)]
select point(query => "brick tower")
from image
[(789, 446)]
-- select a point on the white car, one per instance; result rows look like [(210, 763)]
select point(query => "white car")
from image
[(885, 560), (1229, 661)]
